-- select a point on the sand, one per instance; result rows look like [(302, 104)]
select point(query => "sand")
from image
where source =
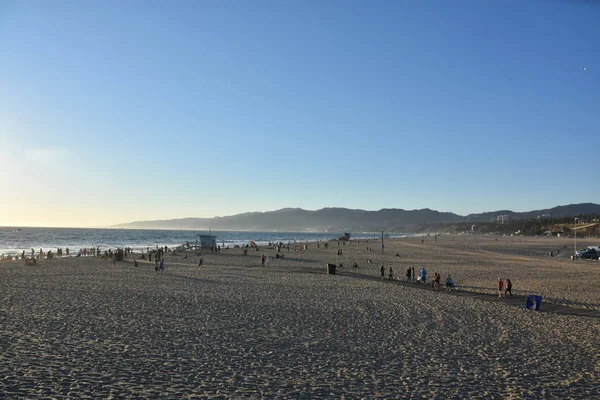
[(83, 328)]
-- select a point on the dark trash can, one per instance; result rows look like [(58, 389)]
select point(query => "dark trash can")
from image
[(530, 302), (331, 269), (533, 302)]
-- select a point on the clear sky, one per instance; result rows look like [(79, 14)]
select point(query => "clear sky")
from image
[(115, 111)]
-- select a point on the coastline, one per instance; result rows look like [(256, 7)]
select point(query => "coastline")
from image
[(14, 242)]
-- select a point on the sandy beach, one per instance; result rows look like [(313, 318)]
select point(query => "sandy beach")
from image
[(231, 329)]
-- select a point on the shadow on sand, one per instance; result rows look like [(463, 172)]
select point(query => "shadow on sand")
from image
[(548, 306)]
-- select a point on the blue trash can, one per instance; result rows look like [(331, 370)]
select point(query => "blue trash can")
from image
[(530, 302), (533, 302)]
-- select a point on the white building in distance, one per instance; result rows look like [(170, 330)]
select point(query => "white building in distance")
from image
[(503, 219)]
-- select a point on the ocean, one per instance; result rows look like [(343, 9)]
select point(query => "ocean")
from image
[(15, 240)]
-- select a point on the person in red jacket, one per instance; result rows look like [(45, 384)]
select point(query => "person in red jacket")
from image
[(500, 286)]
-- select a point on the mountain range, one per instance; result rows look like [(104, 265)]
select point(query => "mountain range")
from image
[(349, 220)]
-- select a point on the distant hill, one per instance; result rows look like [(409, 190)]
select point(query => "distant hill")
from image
[(570, 210), (348, 220)]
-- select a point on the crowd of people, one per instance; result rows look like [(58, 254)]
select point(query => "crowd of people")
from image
[(421, 278), (32, 256), (504, 286)]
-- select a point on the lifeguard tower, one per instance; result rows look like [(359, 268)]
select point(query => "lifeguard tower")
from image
[(206, 241), (202, 242)]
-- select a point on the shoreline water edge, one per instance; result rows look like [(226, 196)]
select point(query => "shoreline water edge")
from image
[(13, 241)]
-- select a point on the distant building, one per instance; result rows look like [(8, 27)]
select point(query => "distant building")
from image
[(503, 219)]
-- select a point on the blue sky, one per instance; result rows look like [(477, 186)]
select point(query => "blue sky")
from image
[(116, 111)]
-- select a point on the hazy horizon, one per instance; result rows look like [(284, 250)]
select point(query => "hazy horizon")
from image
[(115, 112), (118, 225)]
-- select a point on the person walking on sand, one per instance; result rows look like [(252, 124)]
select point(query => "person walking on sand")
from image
[(436, 281), (408, 274), (200, 262), (449, 283), (382, 269), (413, 276), (508, 288), (500, 286), (423, 276), (391, 274), (161, 266)]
